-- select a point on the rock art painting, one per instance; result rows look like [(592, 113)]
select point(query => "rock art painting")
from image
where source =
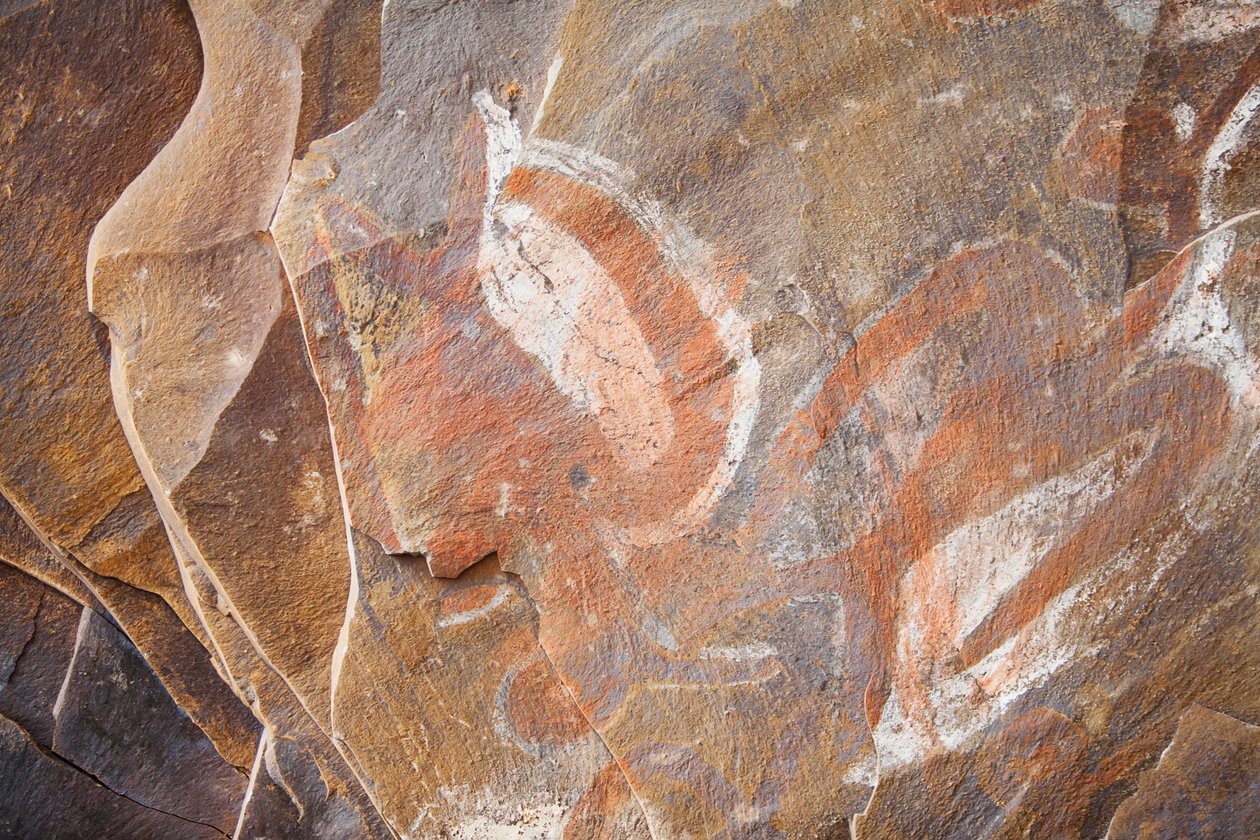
[(666, 420)]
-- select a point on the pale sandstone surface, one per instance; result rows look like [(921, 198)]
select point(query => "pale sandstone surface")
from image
[(739, 419)]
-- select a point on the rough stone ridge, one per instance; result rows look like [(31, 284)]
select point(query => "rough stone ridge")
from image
[(629, 419)]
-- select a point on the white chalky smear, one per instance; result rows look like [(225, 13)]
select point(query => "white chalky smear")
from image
[(561, 307)]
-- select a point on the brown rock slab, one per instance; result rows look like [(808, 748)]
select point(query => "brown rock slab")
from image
[(81, 808), (21, 549), (37, 641), (77, 692), (173, 652), (66, 467), (79, 126), (587, 420), (115, 721), (204, 391), (1204, 785)]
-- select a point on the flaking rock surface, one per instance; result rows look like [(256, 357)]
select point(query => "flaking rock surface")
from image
[(604, 420)]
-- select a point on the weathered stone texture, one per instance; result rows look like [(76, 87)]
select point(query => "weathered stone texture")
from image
[(611, 420)]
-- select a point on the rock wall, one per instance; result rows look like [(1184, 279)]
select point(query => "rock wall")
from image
[(588, 420)]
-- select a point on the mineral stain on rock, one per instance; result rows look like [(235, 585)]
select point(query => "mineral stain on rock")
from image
[(605, 420)]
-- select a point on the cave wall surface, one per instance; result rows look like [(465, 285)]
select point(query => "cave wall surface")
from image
[(619, 419)]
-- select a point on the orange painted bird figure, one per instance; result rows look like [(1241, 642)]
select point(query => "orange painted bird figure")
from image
[(550, 381), (1031, 385)]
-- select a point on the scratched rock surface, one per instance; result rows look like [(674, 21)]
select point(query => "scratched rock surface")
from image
[(571, 420)]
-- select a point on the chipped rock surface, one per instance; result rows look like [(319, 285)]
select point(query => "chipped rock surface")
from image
[(575, 420)]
